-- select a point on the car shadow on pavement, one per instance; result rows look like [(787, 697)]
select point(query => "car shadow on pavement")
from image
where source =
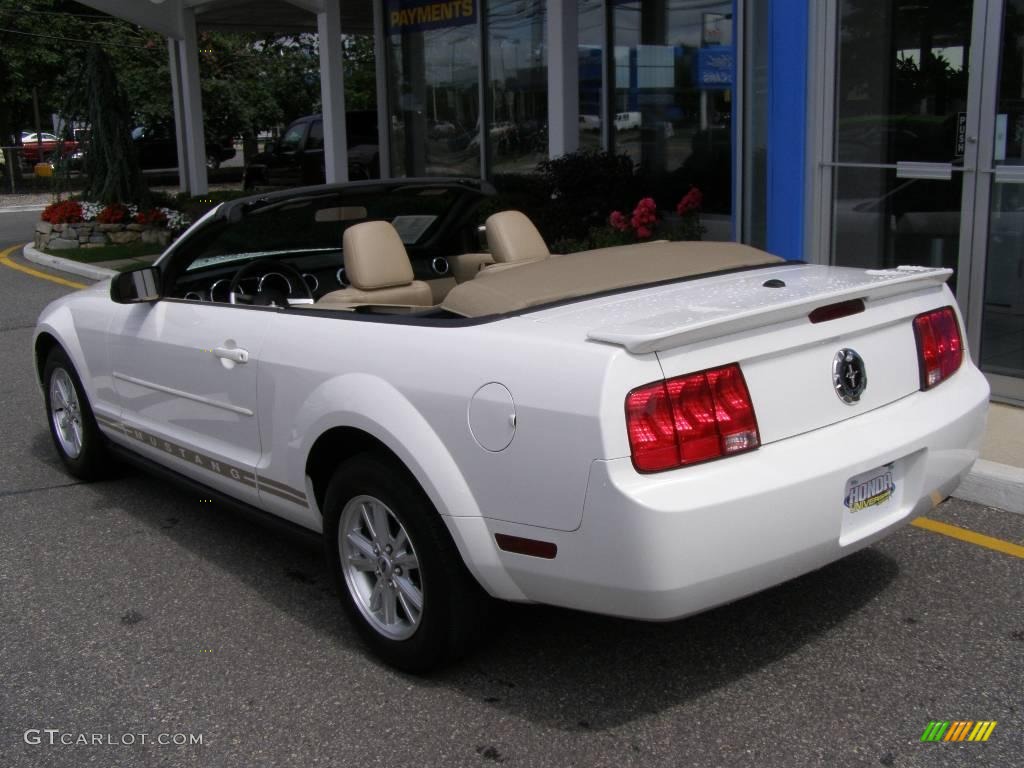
[(560, 668), (577, 671)]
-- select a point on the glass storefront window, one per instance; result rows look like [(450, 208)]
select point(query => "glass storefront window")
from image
[(672, 108), (880, 220), (434, 98), (900, 96), (1002, 325), (590, 31), (902, 80), (518, 89)]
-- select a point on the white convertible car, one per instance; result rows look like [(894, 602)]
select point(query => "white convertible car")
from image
[(644, 431)]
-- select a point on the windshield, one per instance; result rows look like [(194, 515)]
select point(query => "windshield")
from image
[(316, 224)]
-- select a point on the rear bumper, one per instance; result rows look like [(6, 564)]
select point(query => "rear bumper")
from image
[(660, 547)]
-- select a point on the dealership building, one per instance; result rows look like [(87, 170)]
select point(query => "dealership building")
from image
[(866, 133)]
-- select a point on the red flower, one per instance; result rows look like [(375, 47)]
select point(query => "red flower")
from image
[(152, 217), (112, 214), (691, 201), (618, 221), (65, 212), (645, 215)]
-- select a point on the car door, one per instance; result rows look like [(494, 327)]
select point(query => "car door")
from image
[(287, 166), (313, 168), (186, 377)]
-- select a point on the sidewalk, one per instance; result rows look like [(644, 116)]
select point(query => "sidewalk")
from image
[(996, 480)]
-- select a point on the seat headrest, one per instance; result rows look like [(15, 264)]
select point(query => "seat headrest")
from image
[(512, 237), (375, 256)]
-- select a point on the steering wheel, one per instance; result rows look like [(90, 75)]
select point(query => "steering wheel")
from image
[(271, 296)]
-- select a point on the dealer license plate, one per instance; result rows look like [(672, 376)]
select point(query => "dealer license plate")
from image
[(872, 490)]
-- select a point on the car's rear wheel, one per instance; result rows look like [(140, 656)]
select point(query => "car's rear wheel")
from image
[(212, 162), (398, 573), (72, 425)]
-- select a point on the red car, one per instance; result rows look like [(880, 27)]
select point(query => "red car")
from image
[(44, 146)]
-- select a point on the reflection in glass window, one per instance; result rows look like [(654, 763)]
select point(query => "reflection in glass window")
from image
[(674, 73), (435, 95), (316, 135), (590, 29), (293, 138), (900, 94), (902, 81), (518, 97)]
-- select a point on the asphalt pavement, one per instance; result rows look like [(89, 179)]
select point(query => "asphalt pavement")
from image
[(129, 607)]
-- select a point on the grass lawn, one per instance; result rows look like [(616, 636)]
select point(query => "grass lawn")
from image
[(108, 252)]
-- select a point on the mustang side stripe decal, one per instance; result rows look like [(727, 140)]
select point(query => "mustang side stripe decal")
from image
[(269, 485), (281, 494), (208, 463)]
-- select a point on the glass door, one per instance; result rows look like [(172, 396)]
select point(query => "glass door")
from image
[(997, 304), (904, 152)]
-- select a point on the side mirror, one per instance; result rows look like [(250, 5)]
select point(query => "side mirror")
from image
[(136, 286)]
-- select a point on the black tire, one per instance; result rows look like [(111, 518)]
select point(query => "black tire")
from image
[(92, 460), (454, 606), (212, 162)]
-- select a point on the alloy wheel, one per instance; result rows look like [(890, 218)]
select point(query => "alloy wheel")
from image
[(381, 567), (66, 413)]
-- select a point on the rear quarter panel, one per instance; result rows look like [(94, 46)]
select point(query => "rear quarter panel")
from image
[(411, 386)]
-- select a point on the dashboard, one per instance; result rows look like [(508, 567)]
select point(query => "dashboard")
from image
[(321, 272)]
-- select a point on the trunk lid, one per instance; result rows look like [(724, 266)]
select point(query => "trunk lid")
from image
[(787, 361)]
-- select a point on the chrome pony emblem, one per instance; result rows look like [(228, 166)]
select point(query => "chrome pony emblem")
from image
[(849, 376)]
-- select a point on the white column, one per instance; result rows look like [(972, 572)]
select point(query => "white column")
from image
[(332, 92), (174, 65), (191, 97), (563, 78)]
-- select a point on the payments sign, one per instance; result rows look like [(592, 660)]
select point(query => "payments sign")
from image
[(418, 15)]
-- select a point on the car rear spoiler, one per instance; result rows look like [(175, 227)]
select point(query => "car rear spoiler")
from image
[(695, 311)]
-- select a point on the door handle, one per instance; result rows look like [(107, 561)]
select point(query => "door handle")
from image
[(235, 354)]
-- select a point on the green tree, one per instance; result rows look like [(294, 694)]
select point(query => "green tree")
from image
[(110, 164), (360, 72)]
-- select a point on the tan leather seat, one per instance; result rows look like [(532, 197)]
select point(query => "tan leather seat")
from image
[(513, 239), (378, 268)]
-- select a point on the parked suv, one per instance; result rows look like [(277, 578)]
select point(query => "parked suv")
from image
[(297, 158)]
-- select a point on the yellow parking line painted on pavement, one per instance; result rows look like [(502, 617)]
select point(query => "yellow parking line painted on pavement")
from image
[(6, 261), (972, 537)]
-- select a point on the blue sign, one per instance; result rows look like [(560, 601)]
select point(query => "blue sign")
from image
[(716, 68), (420, 15)]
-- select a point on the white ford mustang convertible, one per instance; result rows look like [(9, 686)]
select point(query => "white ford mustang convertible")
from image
[(643, 431)]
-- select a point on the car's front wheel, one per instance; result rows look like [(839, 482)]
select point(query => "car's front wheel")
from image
[(398, 573), (212, 162), (72, 425)]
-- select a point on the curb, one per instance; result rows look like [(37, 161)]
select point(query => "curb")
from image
[(994, 485), (21, 208), (66, 265)]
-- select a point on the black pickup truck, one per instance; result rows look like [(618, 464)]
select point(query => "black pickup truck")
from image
[(297, 158)]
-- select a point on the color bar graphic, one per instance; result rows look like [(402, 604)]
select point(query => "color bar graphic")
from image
[(958, 730)]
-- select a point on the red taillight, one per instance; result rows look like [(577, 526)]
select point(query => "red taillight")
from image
[(940, 348), (689, 419)]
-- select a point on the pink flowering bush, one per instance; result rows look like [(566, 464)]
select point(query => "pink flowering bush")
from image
[(640, 224), (645, 223)]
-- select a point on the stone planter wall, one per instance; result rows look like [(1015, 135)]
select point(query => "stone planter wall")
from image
[(93, 234)]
